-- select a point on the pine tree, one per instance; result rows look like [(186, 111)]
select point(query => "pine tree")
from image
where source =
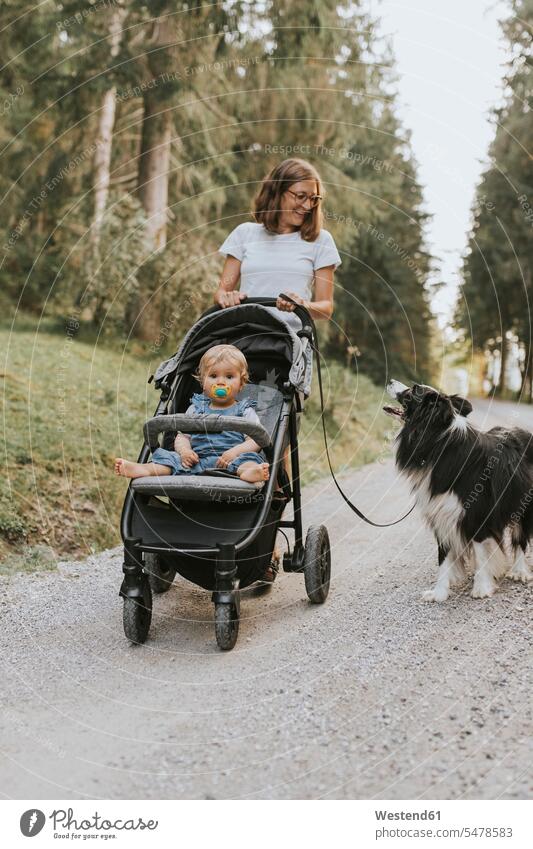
[(495, 304), (155, 122)]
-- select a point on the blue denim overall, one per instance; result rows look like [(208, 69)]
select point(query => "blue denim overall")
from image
[(209, 446)]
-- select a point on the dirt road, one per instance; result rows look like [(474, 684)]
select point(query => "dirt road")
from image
[(376, 694)]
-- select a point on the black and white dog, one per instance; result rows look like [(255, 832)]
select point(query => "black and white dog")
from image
[(471, 487)]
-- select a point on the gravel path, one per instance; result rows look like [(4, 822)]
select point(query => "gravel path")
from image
[(376, 694)]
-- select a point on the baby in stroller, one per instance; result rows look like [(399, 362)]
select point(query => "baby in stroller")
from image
[(222, 372)]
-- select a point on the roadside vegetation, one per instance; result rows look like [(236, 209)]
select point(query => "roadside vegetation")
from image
[(70, 406)]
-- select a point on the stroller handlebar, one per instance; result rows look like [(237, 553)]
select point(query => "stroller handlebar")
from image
[(202, 424), (299, 310)]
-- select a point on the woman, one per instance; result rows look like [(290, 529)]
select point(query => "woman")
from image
[(283, 249)]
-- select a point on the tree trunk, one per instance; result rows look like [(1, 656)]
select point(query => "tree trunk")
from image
[(152, 186), (104, 136), (528, 365), (500, 391), (525, 388), (152, 190), (102, 162)]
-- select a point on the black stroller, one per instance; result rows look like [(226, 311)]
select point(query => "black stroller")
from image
[(215, 529)]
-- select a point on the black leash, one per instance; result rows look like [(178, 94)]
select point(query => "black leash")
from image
[(313, 339)]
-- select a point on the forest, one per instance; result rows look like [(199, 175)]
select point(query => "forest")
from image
[(135, 135), (493, 316)]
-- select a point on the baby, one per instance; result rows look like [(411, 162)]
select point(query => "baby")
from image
[(223, 371)]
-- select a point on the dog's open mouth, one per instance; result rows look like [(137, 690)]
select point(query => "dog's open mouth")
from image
[(397, 412)]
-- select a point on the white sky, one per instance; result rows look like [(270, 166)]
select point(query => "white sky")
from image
[(450, 59)]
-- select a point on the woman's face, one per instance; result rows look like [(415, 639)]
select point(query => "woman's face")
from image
[(294, 208)]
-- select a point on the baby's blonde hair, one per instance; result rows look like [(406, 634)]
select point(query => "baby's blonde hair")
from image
[(217, 354)]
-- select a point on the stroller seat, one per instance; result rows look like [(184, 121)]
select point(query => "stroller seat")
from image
[(221, 485)]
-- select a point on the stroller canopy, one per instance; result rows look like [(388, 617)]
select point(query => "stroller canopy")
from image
[(257, 331)]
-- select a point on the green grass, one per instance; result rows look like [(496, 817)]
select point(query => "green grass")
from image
[(32, 558), (358, 431), (70, 407)]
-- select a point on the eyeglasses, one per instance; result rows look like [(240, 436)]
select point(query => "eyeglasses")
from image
[(301, 197)]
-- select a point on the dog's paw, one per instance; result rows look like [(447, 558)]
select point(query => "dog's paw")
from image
[(436, 594), (483, 589), (520, 572)]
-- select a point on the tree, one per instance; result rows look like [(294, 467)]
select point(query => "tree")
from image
[(161, 125), (104, 136), (495, 307)]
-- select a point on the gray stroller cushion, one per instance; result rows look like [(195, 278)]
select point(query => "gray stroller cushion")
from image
[(199, 487)]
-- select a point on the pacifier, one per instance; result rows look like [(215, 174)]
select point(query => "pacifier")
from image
[(220, 391)]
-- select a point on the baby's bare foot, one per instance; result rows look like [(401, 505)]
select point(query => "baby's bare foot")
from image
[(254, 472), (131, 470)]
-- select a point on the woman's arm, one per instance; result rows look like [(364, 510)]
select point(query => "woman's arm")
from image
[(322, 306), (226, 294)]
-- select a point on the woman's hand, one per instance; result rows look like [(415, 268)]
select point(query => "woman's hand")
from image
[(226, 295), (286, 306), (228, 299), (322, 306)]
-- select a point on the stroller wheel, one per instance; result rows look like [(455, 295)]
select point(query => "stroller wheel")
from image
[(137, 615), (159, 574), (226, 625), (317, 564)]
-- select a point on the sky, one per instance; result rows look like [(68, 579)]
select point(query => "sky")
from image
[(450, 64)]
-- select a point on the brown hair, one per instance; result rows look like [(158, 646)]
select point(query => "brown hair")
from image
[(267, 203), (222, 352)]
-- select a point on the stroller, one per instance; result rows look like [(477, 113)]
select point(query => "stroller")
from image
[(213, 528)]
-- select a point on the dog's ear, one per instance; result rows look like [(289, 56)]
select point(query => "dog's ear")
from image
[(463, 407)]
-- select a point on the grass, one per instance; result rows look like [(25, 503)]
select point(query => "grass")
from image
[(69, 407), (32, 558), (358, 431)]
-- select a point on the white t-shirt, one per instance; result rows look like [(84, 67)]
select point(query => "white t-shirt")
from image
[(281, 262)]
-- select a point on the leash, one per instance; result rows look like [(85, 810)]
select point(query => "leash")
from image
[(313, 339)]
